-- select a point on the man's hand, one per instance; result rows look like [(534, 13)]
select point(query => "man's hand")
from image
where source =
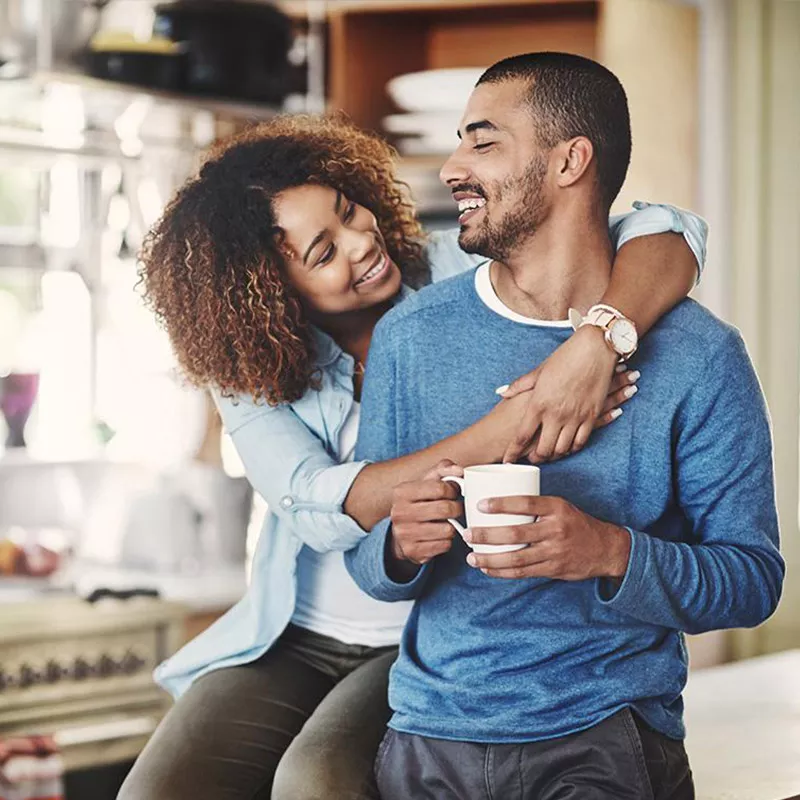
[(563, 543), (420, 509), (569, 397)]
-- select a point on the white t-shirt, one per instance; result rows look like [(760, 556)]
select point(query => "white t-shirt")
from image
[(328, 600)]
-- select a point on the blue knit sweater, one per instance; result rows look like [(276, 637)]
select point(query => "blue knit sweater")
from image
[(687, 468)]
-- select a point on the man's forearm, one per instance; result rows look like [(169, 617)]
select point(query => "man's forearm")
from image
[(651, 274)]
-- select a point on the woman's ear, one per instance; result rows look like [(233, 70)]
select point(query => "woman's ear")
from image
[(575, 156)]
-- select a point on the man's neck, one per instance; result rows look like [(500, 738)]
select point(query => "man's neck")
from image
[(566, 264)]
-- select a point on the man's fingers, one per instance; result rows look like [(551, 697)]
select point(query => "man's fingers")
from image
[(529, 505), (582, 436), (527, 563), (424, 531), (423, 553), (431, 489), (444, 467), (547, 440), (427, 511), (531, 533), (523, 384), (526, 433), (565, 439), (541, 569)]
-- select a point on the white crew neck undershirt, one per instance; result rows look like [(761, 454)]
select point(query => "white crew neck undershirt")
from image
[(488, 295)]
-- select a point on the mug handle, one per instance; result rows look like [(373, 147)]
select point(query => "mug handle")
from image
[(460, 483)]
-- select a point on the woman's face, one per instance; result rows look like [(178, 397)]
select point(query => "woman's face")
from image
[(336, 257)]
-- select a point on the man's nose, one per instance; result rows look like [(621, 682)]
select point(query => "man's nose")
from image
[(454, 170)]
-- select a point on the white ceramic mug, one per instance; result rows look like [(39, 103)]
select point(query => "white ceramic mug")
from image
[(494, 480)]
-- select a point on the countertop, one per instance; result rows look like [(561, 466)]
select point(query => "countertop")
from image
[(200, 591), (743, 724)]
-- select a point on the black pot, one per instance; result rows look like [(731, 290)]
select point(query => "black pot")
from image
[(153, 70), (232, 48)]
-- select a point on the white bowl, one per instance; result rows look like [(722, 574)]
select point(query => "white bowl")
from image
[(435, 89), (422, 123)]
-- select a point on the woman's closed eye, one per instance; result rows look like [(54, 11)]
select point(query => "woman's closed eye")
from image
[(326, 256), (350, 212)]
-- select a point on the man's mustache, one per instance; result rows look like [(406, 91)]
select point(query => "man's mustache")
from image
[(469, 187)]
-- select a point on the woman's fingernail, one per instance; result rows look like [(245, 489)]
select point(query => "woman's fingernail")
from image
[(467, 535), (620, 368), (483, 505), (616, 413), (631, 391), (634, 376), (501, 390), (471, 559)]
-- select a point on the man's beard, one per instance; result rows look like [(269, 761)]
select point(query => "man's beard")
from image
[(498, 240)]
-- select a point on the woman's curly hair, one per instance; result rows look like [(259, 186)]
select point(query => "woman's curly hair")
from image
[(212, 267)]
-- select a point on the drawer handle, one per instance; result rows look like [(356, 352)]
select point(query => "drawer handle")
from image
[(105, 731)]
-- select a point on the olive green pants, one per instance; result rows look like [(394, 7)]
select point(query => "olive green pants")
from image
[(301, 723)]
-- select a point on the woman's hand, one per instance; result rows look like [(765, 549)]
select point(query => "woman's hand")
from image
[(574, 391)]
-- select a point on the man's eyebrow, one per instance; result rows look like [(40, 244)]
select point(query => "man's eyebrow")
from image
[(480, 125)]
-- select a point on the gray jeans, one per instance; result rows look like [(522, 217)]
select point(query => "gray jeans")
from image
[(621, 758), (301, 723)]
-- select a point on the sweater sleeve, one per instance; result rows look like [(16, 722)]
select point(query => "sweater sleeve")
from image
[(378, 441), (731, 574)]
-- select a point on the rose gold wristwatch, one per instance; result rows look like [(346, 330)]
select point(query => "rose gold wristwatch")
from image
[(619, 332)]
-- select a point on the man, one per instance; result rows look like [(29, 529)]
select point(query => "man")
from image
[(556, 671)]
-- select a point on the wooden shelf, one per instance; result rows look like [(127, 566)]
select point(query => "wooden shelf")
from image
[(220, 106), (300, 8)]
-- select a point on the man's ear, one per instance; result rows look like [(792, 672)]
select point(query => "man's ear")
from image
[(575, 156)]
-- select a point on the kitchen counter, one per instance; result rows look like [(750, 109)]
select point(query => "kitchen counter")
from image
[(208, 590), (743, 723)]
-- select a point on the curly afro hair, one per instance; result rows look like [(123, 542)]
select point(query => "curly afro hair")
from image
[(212, 268)]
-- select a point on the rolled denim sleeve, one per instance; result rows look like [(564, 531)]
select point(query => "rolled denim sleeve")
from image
[(290, 468), (651, 218)]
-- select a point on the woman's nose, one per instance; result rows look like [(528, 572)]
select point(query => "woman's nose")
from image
[(360, 245)]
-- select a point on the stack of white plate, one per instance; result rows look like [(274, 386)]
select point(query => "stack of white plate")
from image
[(434, 101)]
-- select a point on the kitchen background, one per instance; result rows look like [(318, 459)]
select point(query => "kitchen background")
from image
[(125, 522)]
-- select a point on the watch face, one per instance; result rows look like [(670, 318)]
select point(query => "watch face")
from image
[(624, 338)]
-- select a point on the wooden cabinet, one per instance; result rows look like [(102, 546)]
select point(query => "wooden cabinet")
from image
[(652, 45), (371, 44)]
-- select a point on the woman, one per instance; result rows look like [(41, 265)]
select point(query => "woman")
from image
[(269, 271)]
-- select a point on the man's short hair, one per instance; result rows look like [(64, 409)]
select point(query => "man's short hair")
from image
[(575, 96)]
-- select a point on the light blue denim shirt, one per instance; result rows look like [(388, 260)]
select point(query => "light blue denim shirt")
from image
[(290, 454)]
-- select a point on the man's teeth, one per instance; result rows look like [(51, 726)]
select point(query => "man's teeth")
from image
[(470, 203)]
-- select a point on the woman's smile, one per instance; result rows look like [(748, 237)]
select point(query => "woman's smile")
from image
[(378, 272)]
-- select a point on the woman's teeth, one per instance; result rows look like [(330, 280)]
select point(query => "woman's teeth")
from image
[(373, 272)]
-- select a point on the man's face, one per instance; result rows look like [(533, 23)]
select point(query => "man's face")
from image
[(498, 173)]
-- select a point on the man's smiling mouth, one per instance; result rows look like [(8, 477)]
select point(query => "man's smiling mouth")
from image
[(469, 204)]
